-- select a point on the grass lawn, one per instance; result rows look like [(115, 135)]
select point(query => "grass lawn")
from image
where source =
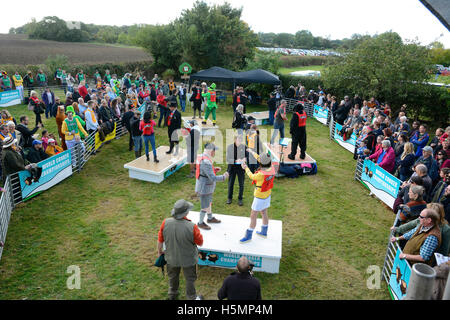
[(286, 71), (107, 224)]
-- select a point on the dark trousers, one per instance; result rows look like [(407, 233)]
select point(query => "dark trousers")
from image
[(190, 275), (48, 110), (299, 139), (236, 170), (164, 112), (38, 118), (130, 143)]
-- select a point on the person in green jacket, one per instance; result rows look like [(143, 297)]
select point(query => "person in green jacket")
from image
[(41, 79), (211, 104), (5, 82)]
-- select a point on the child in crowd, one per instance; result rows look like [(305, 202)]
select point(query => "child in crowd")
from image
[(53, 148), (361, 149), (44, 139)]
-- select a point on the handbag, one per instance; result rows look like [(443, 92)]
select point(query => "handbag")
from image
[(161, 262), (30, 106)]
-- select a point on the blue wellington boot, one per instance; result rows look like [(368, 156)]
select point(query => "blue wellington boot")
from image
[(263, 232), (247, 237)]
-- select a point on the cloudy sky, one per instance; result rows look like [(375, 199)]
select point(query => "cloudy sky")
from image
[(327, 18)]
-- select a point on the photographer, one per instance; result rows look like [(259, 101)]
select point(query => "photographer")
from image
[(241, 285)]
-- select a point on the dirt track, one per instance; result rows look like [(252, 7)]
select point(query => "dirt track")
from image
[(17, 49)]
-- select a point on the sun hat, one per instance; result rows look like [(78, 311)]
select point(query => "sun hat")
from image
[(9, 141), (181, 208), (51, 140)]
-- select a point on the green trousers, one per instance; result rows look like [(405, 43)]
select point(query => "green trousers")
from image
[(212, 111)]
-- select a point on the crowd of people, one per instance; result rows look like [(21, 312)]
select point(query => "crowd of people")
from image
[(403, 149), (408, 151)]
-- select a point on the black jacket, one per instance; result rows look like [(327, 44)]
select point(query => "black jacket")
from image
[(240, 286), (105, 114), (272, 104), (239, 121), (342, 113), (75, 96), (175, 122), (127, 116), (36, 156), (27, 139), (134, 126), (293, 125)]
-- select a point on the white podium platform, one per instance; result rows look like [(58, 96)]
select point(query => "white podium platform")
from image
[(261, 118), (150, 171), (221, 246), (275, 153), (206, 129)]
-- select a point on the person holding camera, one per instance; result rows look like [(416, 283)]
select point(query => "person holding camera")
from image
[(241, 285)]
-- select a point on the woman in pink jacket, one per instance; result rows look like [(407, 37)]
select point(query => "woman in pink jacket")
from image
[(385, 157)]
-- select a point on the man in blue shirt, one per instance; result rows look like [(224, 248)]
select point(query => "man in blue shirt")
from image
[(423, 240)]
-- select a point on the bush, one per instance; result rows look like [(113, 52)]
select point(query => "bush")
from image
[(55, 62), (169, 73)]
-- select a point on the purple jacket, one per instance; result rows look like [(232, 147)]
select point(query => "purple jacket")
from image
[(45, 98), (388, 162)]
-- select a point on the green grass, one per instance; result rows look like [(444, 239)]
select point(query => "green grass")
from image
[(107, 224), (286, 71)]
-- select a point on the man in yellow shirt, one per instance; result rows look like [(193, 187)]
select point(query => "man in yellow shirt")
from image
[(263, 180), (18, 83), (71, 128)]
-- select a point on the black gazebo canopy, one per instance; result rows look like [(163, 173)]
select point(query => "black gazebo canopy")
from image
[(225, 75)]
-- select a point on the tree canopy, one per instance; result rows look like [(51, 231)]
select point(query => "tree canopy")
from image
[(204, 35)]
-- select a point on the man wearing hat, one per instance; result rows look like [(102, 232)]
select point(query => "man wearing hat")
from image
[(12, 160), (263, 181), (427, 159), (298, 132), (71, 128), (173, 127), (192, 136), (211, 104), (36, 153), (205, 184), (181, 238)]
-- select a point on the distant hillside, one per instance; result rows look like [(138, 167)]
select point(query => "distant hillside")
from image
[(17, 49)]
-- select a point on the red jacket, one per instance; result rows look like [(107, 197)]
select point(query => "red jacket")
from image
[(161, 100), (388, 162), (82, 91), (147, 128)]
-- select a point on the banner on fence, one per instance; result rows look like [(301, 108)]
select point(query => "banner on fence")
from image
[(10, 98), (349, 143), (54, 170), (399, 278), (320, 114), (380, 182), (110, 136), (225, 259)]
